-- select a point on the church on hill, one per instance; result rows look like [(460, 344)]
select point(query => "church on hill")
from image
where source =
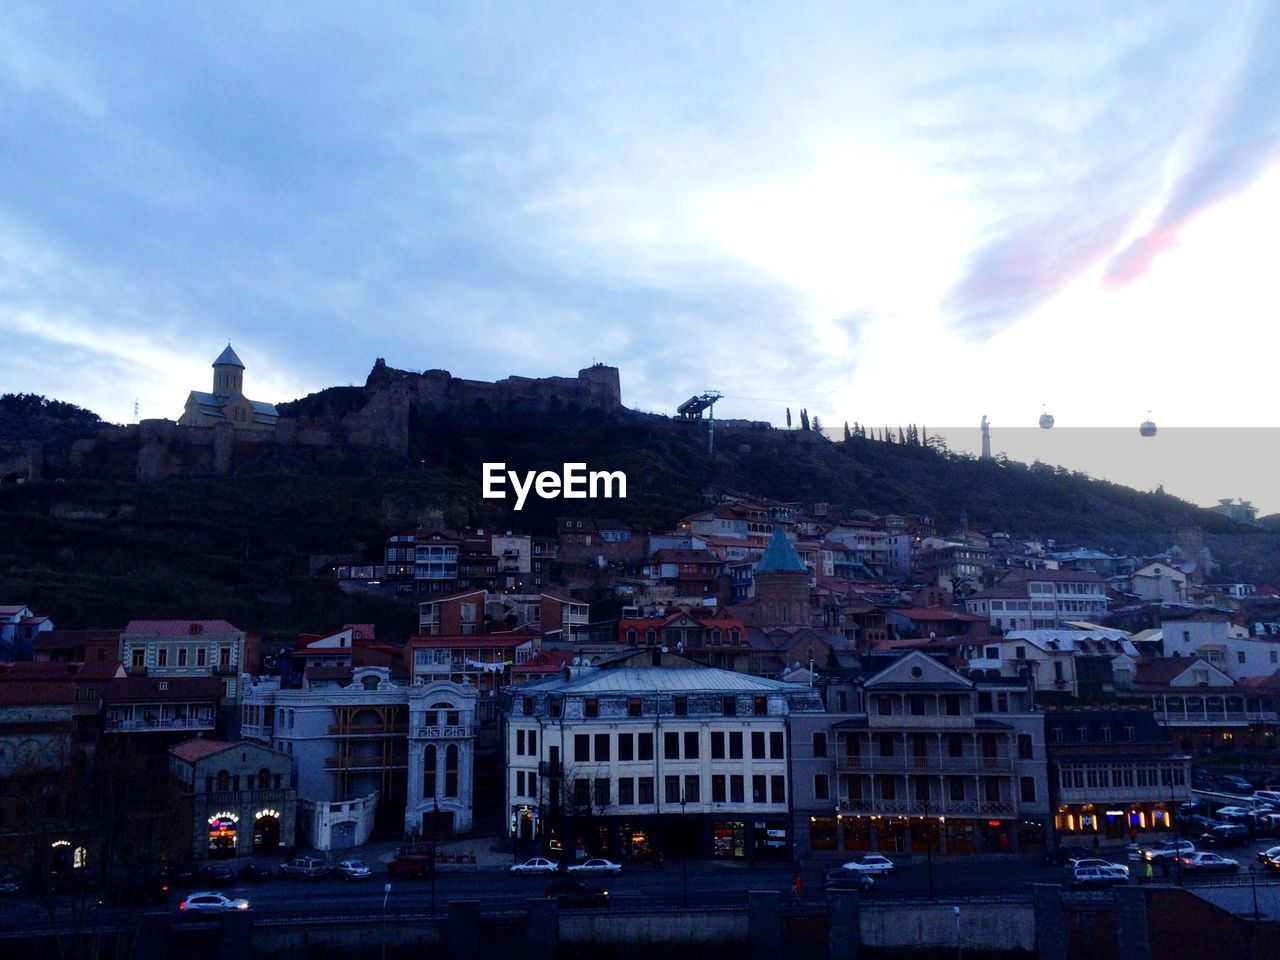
[(227, 403)]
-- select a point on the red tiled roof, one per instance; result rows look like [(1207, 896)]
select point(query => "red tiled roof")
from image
[(193, 750), (935, 614), (36, 693), (177, 628)]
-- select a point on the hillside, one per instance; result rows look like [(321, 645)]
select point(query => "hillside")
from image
[(100, 551)]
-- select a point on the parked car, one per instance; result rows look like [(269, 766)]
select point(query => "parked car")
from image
[(352, 870), (256, 872), (1233, 813), (575, 893), (842, 879), (1099, 876), (1168, 850), (1233, 783), (870, 863), (216, 874), (536, 865), (596, 866), (210, 901), (1205, 862), (1268, 854), (1271, 797), (1199, 823), (1226, 835), (1099, 862), (304, 868), (412, 866)]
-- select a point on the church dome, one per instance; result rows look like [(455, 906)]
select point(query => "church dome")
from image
[(228, 358)]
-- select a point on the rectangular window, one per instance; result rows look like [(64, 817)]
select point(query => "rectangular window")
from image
[(693, 788), (691, 745), (778, 789), (646, 746), (760, 706), (533, 736), (680, 706), (758, 785), (602, 747), (775, 745), (884, 705), (717, 744), (526, 706), (821, 786), (671, 786), (757, 745), (182, 657), (532, 784), (735, 745), (984, 701), (201, 654), (737, 789), (626, 746), (717, 788), (915, 704), (581, 792), (520, 742), (626, 791), (646, 790), (730, 706), (582, 747), (1025, 746), (591, 708), (519, 783), (602, 792), (162, 658), (553, 705), (952, 702), (671, 745), (819, 744), (1027, 789), (635, 707)]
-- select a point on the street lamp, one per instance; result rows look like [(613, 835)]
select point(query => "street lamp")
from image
[(684, 859)]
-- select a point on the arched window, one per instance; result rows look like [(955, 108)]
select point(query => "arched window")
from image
[(429, 772), (451, 770), (224, 780)]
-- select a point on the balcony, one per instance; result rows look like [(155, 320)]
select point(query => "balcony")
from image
[(366, 763), (929, 764), (456, 732), (253, 798), (919, 808), (1123, 795), (1196, 718), (439, 666), (157, 724), (369, 730)]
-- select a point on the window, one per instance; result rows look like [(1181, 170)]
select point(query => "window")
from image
[(553, 704), (162, 658), (182, 656), (821, 786), (777, 789), (735, 745), (757, 745), (635, 707), (533, 735), (819, 744), (955, 788), (671, 745), (602, 792), (602, 747), (984, 702), (1002, 703), (1027, 789), (533, 784), (1057, 735), (693, 788), (1240, 657), (717, 788), (626, 791), (760, 706), (520, 783), (952, 704), (646, 789), (519, 742), (1025, 746), (691, 745), (758, 794), (626, 746), (581, 792), (591, 707), (526, 706), (1129, 733), (582, 747), (886, 745), (680, 706), (201, 654), (730, 706), (646, 747), (451, 770), (737, 789), (671, 788), (884, 705), (717, 744), (915, 704)]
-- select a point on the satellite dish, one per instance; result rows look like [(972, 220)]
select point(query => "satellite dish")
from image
[(1046, 419), (1148, 428)]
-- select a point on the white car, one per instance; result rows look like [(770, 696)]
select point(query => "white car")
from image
[(210, 901), (1234, 813), (1099, 876), (596, 865), (1169, 850), (870, 863), (535, 865), (1104, 865), (353, 870), (1209, 862)]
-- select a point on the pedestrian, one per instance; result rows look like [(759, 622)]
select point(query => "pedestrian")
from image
[(1149, 871), (797, 887)]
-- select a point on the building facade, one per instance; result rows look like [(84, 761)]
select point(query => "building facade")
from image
[(186, 648)]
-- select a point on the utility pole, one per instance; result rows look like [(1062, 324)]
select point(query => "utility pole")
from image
[(684, 859)]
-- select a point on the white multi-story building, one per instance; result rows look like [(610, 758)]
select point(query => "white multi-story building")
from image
[(369, 751), (1041, 599), (651, 752), (1229, 647), (1051, 659)]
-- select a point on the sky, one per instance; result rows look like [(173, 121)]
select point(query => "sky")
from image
[(885, 213)]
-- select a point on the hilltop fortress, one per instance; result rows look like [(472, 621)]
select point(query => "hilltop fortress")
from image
[(220, 431)]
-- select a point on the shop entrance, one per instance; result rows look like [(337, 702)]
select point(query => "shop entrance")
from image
[(266, 834), (223, 833)]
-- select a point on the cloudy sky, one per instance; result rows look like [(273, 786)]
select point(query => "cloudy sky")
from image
[(881, 212)]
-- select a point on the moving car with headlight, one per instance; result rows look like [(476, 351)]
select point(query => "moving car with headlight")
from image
[(210, 901), (1205, 862)]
